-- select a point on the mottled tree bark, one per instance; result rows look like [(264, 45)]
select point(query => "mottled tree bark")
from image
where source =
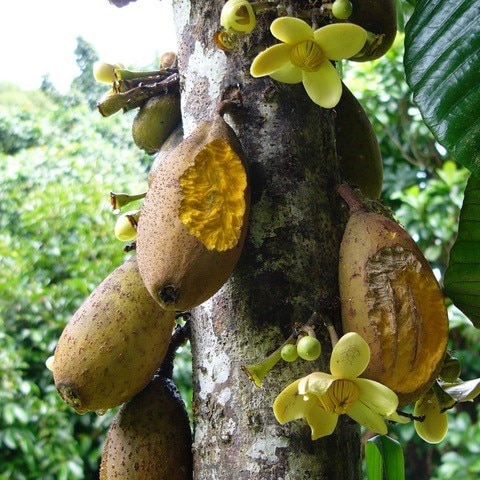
[(289, 264)]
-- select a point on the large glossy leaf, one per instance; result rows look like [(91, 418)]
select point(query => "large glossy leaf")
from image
[(462, 277), (442, 67), (384, 459)]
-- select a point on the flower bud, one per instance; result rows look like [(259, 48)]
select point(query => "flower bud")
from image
[(126, 226), (104, 72)]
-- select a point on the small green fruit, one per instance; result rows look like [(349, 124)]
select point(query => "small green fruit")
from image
[(309, 348), (289, 352), (451, 369), (155, 120), (342, 9)]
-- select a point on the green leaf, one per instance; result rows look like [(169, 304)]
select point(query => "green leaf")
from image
[(442, 67), (384, 459), (462, 277)]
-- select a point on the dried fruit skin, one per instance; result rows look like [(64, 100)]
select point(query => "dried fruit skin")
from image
[(391, 297), (358, 152), (149, 437), (194, 218), (113, 345)]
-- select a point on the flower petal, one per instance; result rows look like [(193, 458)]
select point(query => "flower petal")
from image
[(291, 30), (435, 426), (377, 397), (323, 86), (290, 405), (316, 383), (368, 418), (340, 40), (288, 73), (351, 354), (321, 422), (463, 391), (270, 60)]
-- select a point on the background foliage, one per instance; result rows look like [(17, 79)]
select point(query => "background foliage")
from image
[(58, 166), (58, 162)]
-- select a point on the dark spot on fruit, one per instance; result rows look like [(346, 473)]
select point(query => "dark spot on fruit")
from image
[(169, 294)]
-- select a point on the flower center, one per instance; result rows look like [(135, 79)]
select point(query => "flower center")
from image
[(341, 395), (307, 55)]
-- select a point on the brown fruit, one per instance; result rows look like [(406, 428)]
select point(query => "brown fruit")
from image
[(378, 17), (150, 437), (194, 218), (170, 143), (358, 152), (390, 296), (113, 345)]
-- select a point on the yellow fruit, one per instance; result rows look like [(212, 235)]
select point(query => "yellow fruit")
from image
[(390, 296), (378, 17), (155, 121), (113, 345), (358, 153), (150, 437), (194, 218)]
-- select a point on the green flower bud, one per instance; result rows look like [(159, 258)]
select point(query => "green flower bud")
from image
[(126, 226), (309, 348), (289, 352), (342, 9)]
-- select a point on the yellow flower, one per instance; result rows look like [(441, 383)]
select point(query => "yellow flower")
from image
[(306, 55), (320, 397), (238, 17), (435, 425), (435, 403)]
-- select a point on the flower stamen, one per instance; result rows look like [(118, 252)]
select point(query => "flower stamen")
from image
[(307, 55), (340, 397)]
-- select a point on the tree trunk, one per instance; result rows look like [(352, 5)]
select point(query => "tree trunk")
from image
[(287, 269)]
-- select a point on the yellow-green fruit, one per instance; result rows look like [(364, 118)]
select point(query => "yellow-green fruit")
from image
[(390, 296), (155, 120), (194, 218), (379, 18), (358, 152), (150, 437), (113, 345)]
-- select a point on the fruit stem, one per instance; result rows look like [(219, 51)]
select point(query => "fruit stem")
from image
[(135, 95), (257, 371), (332, 332), (417, 418), (180, 335), (353, 201), (120, 200), (233, 101)]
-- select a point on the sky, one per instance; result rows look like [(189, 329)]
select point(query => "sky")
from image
[(38, 37)]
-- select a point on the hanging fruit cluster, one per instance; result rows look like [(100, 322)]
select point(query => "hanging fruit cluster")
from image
[(186, 237), (389, 295), (189, 232)]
